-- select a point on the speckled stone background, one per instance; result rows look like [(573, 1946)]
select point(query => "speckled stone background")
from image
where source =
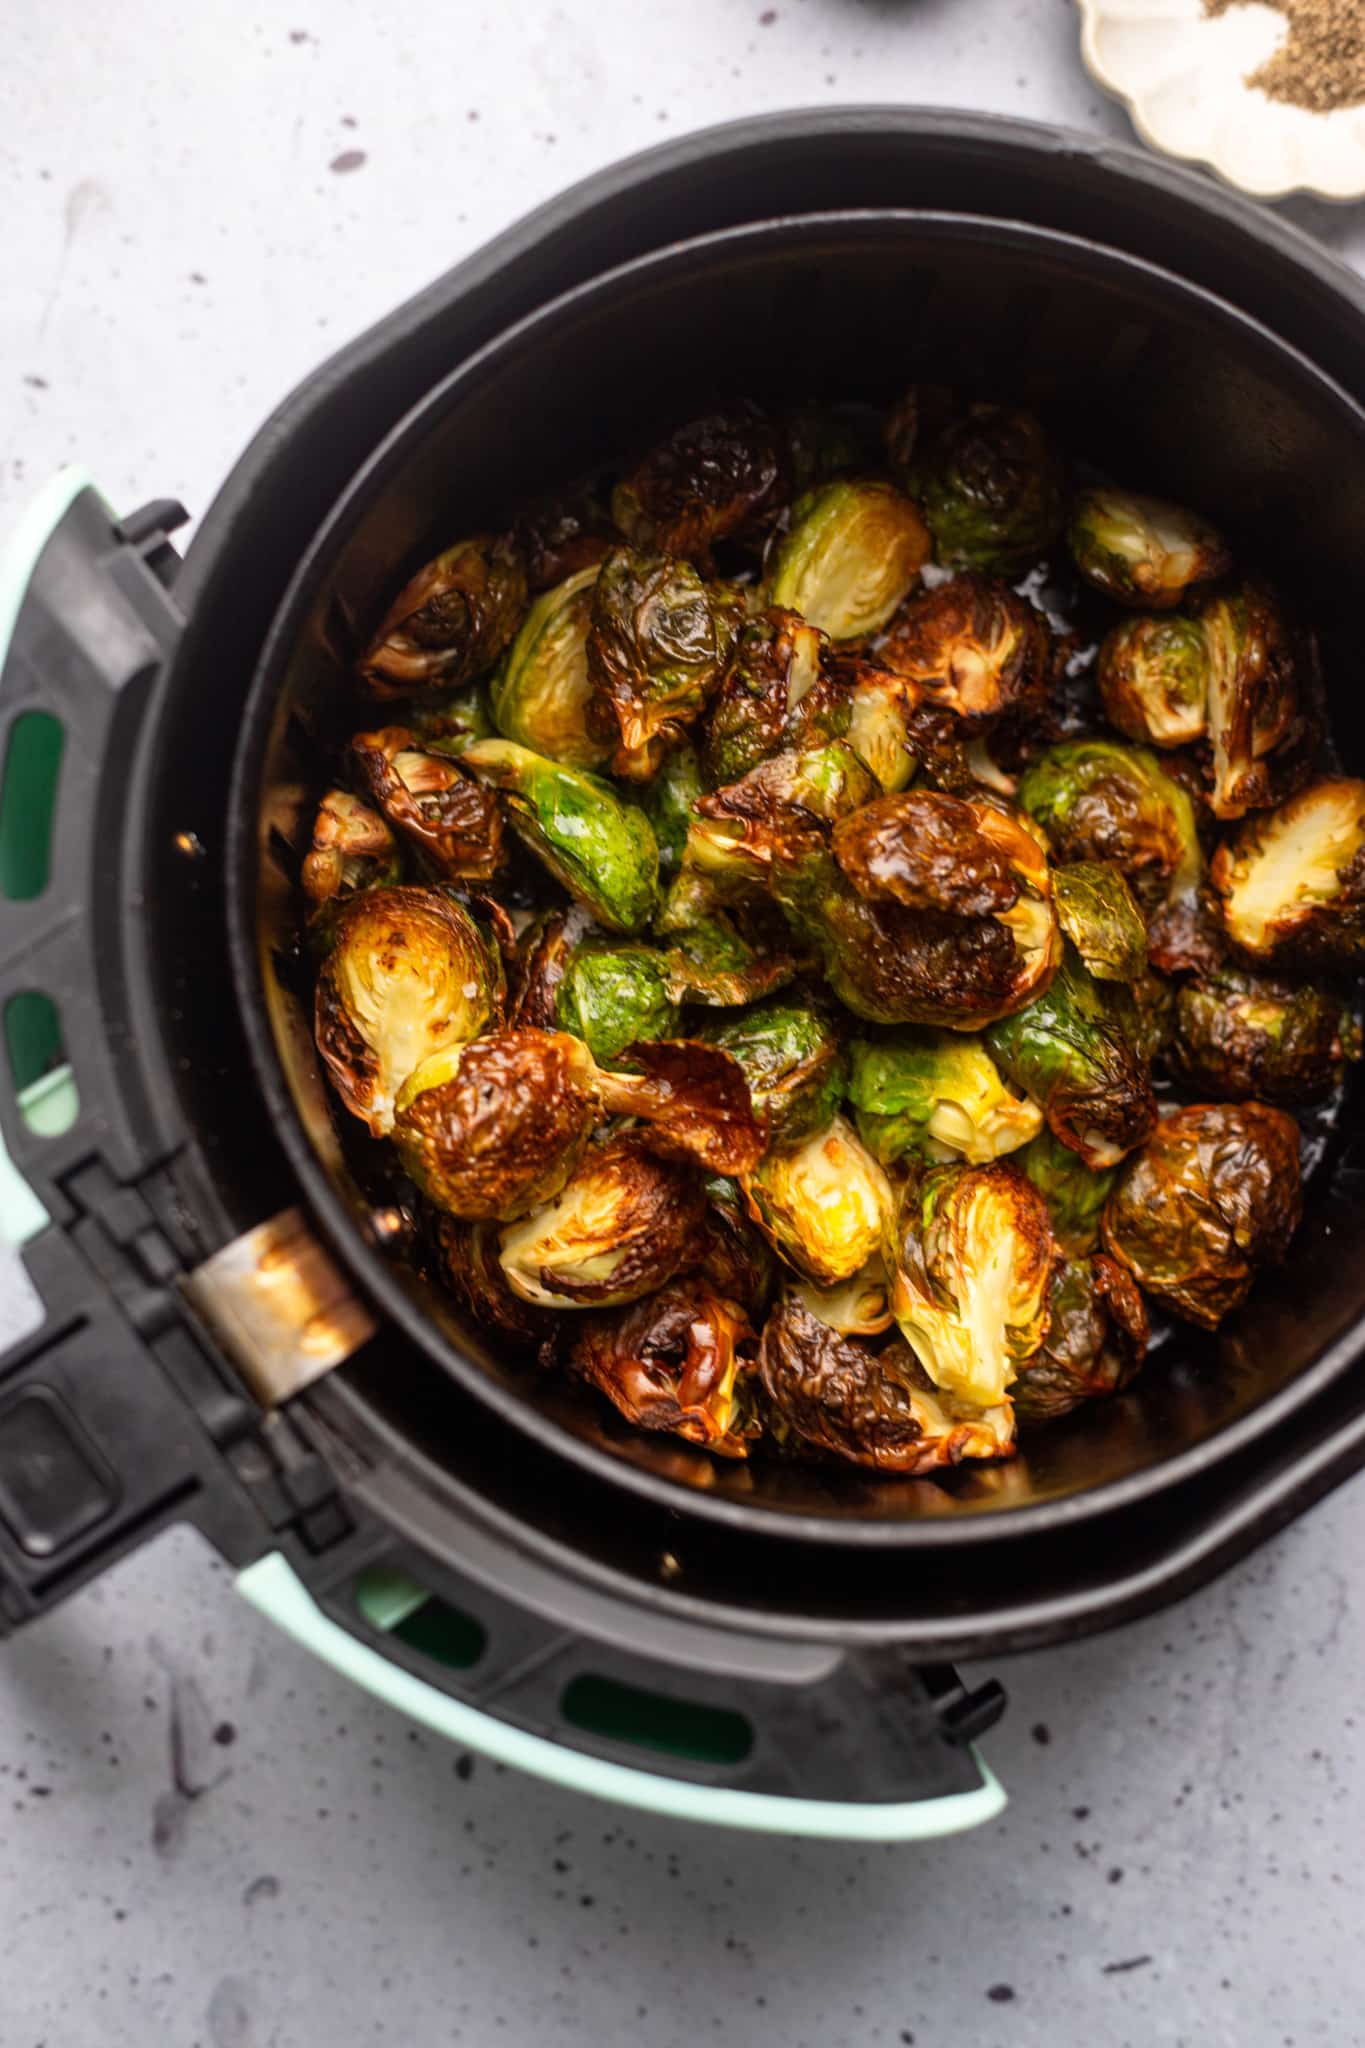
[(198, 205)]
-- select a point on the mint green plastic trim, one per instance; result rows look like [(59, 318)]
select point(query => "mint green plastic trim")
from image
[(274, 1589)]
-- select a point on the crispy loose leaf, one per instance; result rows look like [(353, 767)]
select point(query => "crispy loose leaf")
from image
[(674, 1362)]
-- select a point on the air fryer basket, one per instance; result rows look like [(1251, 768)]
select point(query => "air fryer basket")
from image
[(1169, 387)]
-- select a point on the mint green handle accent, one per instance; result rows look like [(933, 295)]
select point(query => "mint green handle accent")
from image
[(274, 1589)]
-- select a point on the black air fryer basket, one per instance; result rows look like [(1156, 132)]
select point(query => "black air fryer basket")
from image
[(227, 1339)]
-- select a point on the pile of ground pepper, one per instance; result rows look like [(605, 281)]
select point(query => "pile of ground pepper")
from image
[(1321, 65)]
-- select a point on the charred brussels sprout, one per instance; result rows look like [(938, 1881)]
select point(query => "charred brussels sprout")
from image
[(620, 1227), (468, 1266), (989, 483), (775, 665), (852, 554), (1213, 1194), (936, 1093), (658, 646), (1240, 1035), (353, 849), (612, 995), (972, 646), (1154, 680), (667, 802), (543, 953), (454, 824), (1145, 1008), (1096, 1340), (1292, 882), (873, 1407), (1074, 1192), (451, 622), (541, 693), (714, 477), (675, 1362), (1100, 801), (823, 1204), (408, 976), (1141, 550), (1263, 726), (973, 1255), (1069, 1052), (1099, 914), (564, 534), (736, 1259), (600, 847), (792, 1062)]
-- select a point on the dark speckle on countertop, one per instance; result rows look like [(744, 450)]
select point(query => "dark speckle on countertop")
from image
[(348, 160)]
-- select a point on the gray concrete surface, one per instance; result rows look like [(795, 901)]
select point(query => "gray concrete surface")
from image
[(198, 206)]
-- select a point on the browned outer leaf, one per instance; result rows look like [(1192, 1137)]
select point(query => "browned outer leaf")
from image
[(668, 1363), (452, 820), (696, 1100), (973, 646)]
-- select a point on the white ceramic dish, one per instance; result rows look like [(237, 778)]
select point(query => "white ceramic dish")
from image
[(1183, 78)]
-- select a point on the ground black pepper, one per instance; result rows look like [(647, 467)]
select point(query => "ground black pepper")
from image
[(1321, 64)]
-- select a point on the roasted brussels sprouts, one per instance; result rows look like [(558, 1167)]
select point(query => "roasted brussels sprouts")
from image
[(407, 976), (1069, 1052), (1263, 714), (823, 1204), (451, 622), (543, 952), (453, 823), (710, 963), (353, 849), (1074, 1192), (826, 441), (779, 808), (852, 554), (873, 1407), (612, 995), (712, 478), (675, 1362), (696, 1100), (469, 1266), (972, 646), (1212, 1195), (1241, 1035), (1096, 1340), (620, 1228), (736, 1260), (540, 693), (667, 802), (792, 1062), (658, 646), (776, 662), (563, 534), (1098, 800), (447, 722), (1145, 1010), (1292, 882), (989, 483), (1141, 550), (1154, 679), (972, 1253), (860, 1307), (600, 847), (1099, 914), (935, 1093)]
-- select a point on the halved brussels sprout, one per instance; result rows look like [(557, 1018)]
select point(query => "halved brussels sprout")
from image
[(974, 647), (852, 554), (1263, 723), (1212, 1195), (353, 849), (455, 826), (781, 806), (1069, 1052), (860, 1307), (541, 692), (1154, 679), (776, 663), (792, 1062), (1099, 914), (937, 1093), (612, 995), (407, 976), (599, 846), (1096, 1340), (468, 1264), (1098, 800), (1141, 550), (1241, 1035), (714, 477), (675, 1362), (1074, 1192), (620, 1228), (452, 620), (823, 1204), (657, 649), (1292, 882), (873, 1407), (989, 483), (667, 802)]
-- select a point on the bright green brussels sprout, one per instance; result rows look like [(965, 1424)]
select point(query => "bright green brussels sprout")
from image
[(1069, 1052), (622, 1224), (353, 849), (540, 692), (407, 976), (710, 963), (677, 1362), (667, 802), (1241, 1035), (599, 846), (1074, 1192), (452, 620), (657, 649), (874, 1406), (468, 1266), (454, 825), (989, 483), (612, 995), (1212, 1195), (850, 557), (1142, 550), (775, 665), (1099, 914), (974, 647), (823, 1204), (1154, 679), (972, 1255), (1292, 882), (937, 1093), (1263, 713), (792, 1062), (715, 477), (1096, 1340), (1099, 800)]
